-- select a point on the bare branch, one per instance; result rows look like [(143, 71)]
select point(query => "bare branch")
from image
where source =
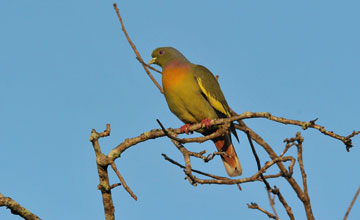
[(276, 191), (196, 171), (268, 187), (116, 152), (136, 51), (256, 206), (102, 163), (272, 201), (242, 126), (225, 180), (352, 203), (115, 185), (122, 180), (16, 208), (311, 124), (148, 66)]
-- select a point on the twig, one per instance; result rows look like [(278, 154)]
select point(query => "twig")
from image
[(225, 180), (115, 185), (268, 187), (310, 124), (193, 170), (287, 147), (352, 203), (16, 208), (276, 191), (256, 206), (300, 140), (148, 66), (136, 51), (305, 198), (242, 126), (272, 202), (126, 187)]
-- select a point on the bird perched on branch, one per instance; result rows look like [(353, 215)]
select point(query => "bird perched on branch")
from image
[(194, 95)]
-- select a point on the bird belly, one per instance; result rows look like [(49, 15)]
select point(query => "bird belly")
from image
[(187, 103)]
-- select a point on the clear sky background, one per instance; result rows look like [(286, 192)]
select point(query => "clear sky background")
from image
[(66, 67)]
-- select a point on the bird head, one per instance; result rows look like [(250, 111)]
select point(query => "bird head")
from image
[(163, 55)]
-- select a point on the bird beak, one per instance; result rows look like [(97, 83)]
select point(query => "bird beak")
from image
[(153, 60)]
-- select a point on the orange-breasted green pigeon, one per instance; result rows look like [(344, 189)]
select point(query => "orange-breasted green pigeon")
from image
[(194, 95)]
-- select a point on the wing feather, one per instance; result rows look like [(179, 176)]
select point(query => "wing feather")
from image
[(210, 88)]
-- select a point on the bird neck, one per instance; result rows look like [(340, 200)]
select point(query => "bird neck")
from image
[(176, 63), (174, 73)]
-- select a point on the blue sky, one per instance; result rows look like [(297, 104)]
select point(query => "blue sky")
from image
[(66, 68)]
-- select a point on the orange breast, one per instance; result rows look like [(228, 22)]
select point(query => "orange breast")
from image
[(173, 76)]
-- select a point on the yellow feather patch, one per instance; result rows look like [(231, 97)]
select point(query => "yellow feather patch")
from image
[(216, 104)]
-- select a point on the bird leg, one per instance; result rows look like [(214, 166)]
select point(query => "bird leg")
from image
[(206, 123), (185, 128)]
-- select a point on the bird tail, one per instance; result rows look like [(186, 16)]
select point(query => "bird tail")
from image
[(230, 160)]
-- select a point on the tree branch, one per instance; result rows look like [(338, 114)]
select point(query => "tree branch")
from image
[(352, 203), (16, 208), (256, 206), (272, 201), (138, 57), (102, 162), (122, 180), (276, 191)]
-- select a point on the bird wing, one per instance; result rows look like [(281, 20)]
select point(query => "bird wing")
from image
[(210, 89)]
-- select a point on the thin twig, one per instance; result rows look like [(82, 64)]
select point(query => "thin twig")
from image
[(287, 147), (242, 126), (148, 66), (310, 124), (122, 180), (305, 198), (301, 165), (272, 202), (276, 191), (256, 206), (115, 185), (136, 51), (268, 187), (225, 180), (193, 170), (352, 203)]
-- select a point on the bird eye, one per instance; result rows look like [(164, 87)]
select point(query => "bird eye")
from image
[(161, 52)]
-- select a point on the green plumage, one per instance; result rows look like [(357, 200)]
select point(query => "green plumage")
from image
[(194, 97), (193, 94)]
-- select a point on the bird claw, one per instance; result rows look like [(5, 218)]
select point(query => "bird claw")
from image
[(185, 128), (206, 123)]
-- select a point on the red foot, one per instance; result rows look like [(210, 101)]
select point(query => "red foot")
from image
[(185, 128), (206, 123)]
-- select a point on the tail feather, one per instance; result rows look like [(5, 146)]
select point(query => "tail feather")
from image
[(230, 160)]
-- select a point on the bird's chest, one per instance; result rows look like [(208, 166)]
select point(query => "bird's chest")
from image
[(176, 78), (183, 95)]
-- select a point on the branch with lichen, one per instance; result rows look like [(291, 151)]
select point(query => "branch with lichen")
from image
[(16, 208), (103, 161)]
